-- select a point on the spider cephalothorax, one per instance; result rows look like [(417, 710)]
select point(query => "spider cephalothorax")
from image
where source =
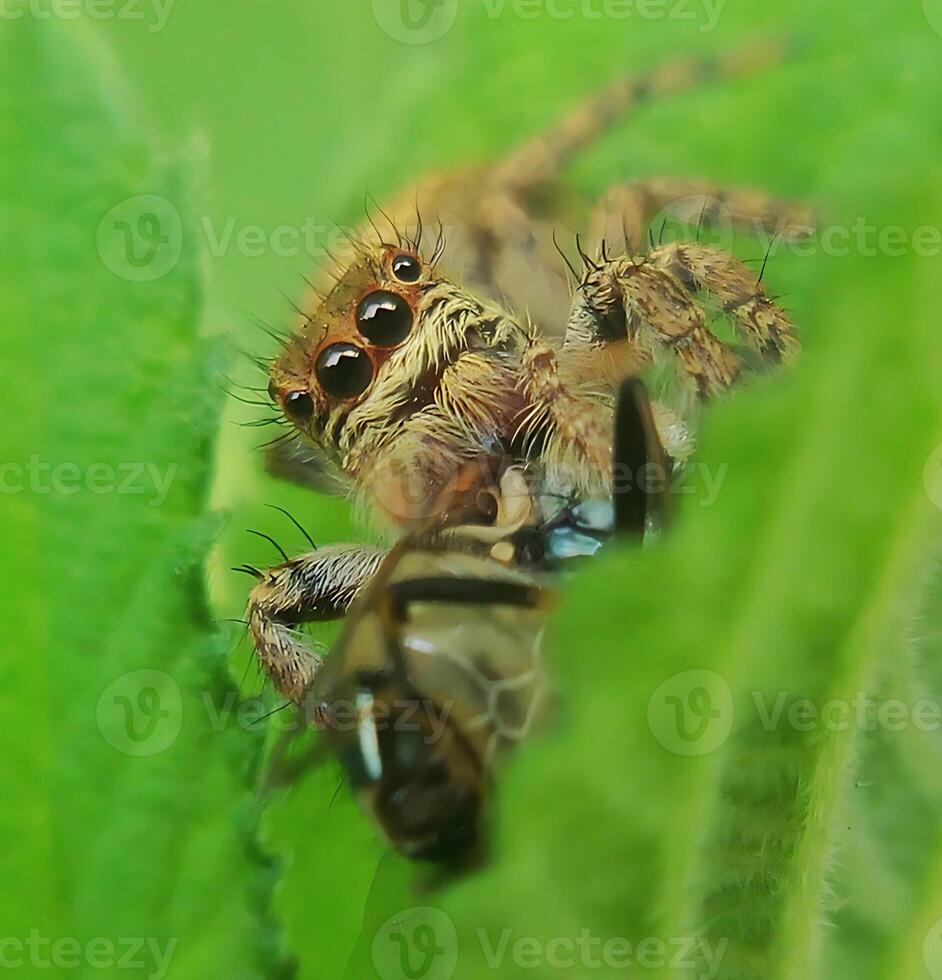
[(382, 336), (415, 387)]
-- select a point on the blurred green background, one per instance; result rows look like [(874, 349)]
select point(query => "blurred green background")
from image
[(132, 808)]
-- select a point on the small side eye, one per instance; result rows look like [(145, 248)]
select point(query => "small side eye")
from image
[(343, 370), (299, 406), (406, 268), (384, 318)]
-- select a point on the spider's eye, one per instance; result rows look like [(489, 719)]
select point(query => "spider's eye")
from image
[(343, 371), (406, 268), (384, 319), (299, 406)]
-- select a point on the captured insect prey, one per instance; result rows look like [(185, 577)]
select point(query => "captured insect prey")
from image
[(439, 670)]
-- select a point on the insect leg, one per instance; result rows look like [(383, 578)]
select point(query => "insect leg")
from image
[(542, 158), (314, 587), (739, 291), (572, 432), (635, 298), (625, 212)]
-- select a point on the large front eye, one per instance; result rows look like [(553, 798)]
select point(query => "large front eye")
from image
[(343, 371), (384, 319)]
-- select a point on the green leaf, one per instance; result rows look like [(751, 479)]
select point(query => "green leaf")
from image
[(796, 853), (800, 583), (126, 818)]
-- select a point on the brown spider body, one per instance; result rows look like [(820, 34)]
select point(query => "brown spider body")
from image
[(438, 402), (441, 413)]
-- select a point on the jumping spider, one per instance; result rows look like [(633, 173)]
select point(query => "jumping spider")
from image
[(436, 404)]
